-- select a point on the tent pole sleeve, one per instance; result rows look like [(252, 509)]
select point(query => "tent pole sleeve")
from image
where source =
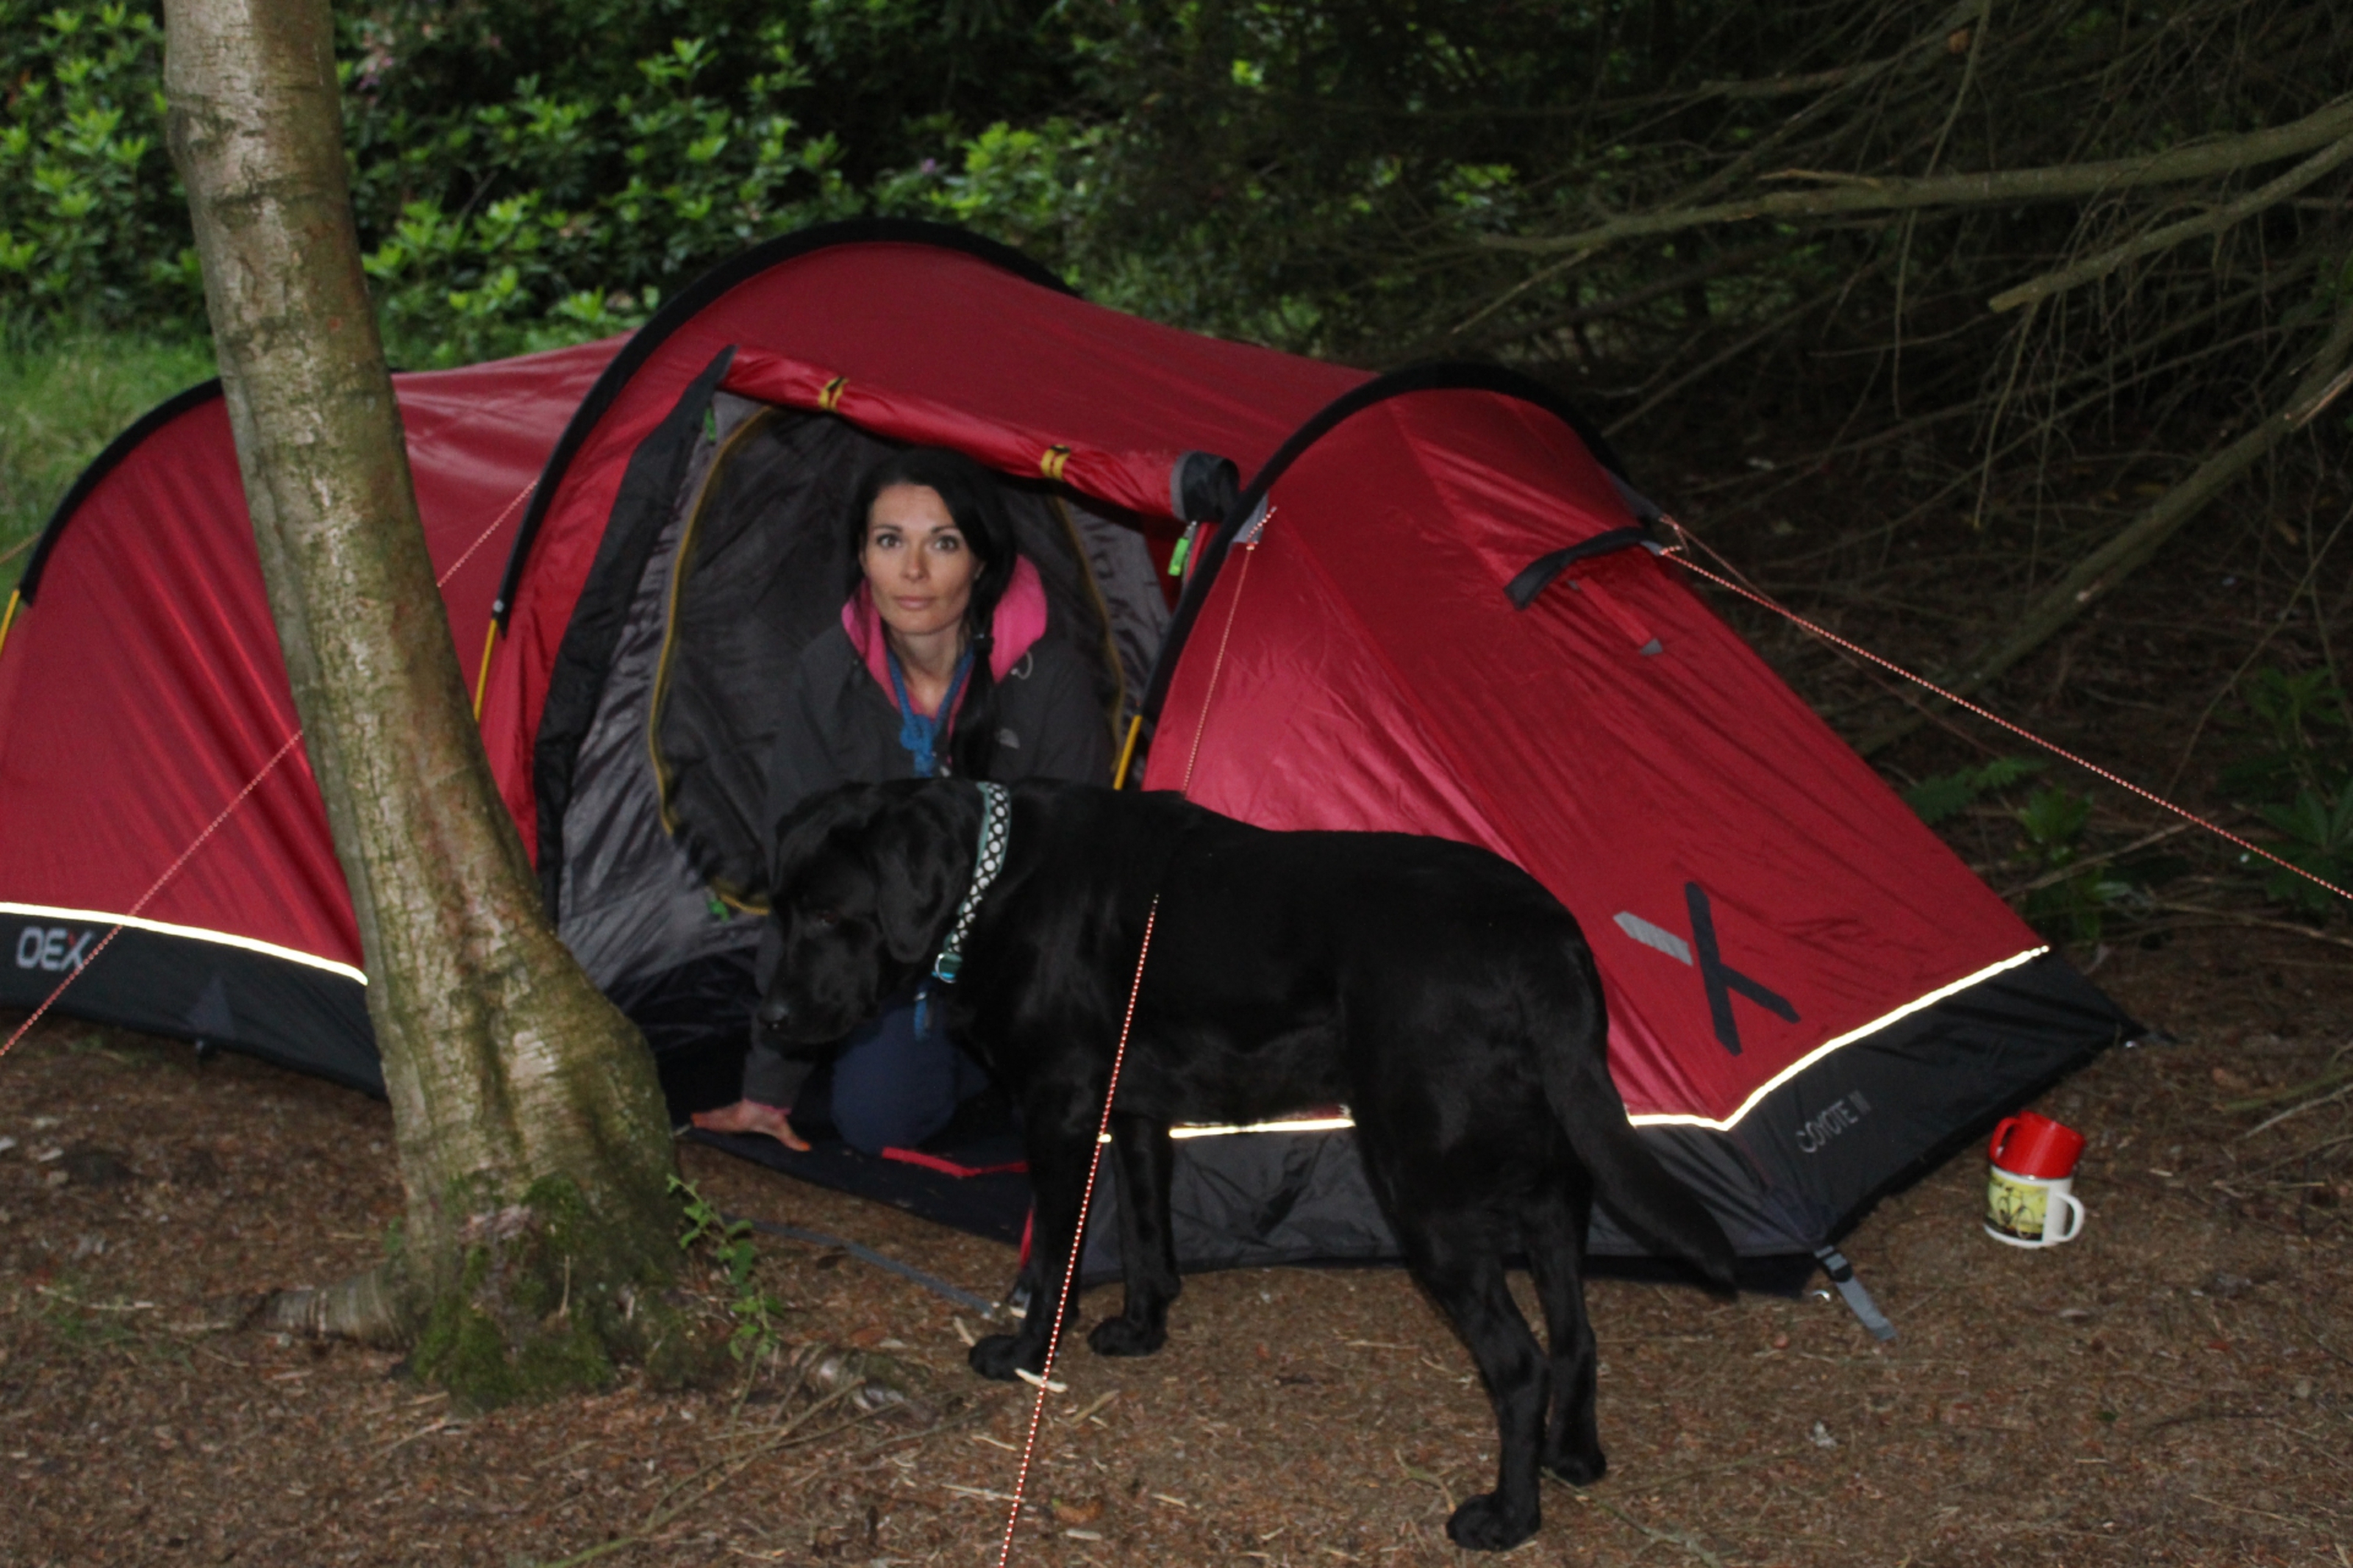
[(17, 597), (483, 680), (1118, 775)]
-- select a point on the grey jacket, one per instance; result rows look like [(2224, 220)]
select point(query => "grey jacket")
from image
[(840, 725)]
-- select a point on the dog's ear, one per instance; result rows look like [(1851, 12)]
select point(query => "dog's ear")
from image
[(920, 863), (806, 831)]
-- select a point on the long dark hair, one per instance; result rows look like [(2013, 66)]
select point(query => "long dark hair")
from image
[(977, 508)]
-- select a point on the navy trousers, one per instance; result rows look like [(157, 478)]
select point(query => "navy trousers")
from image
[(890, 1089)]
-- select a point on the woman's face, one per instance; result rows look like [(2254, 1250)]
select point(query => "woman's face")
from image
[(916, 561)]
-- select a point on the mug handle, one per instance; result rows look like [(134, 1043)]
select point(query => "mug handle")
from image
[(2074, 1208), (2000, 1136)]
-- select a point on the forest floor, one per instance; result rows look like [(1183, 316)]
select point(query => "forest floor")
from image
[(2176, 1386)]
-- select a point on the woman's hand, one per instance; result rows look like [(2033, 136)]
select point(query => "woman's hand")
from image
[(751, 1116)]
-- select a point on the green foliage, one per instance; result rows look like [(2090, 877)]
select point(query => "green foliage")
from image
[(526, 175), (60, 404), (2316, 836), (1944, 795), (2298, 735), (94, 229), (734, 1254), (2065, 900), (546, 1297), (76, 1323), (2294, 766)]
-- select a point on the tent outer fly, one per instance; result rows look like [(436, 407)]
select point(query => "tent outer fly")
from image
[(1424, 601)]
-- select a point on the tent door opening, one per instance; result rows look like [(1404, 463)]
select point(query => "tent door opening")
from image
[(664, 859)]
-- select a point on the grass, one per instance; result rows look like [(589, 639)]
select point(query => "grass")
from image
[(60, 402)]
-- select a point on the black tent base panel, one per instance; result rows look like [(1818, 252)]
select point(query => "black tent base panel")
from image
[(212, 993), (1812, 1158), (996, 1207), (1796, 1173), (992, 1207)]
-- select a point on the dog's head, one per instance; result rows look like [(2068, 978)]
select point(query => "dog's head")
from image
[(864, 882)]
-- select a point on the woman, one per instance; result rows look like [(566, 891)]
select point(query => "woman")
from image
[(941, 665)]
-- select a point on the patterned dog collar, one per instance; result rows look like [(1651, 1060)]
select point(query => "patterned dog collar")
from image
[(988, 859)]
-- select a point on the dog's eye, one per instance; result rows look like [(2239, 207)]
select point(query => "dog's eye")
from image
[(829, 919)]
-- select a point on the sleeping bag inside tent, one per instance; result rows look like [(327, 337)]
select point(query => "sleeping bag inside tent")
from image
[(1435, 607)]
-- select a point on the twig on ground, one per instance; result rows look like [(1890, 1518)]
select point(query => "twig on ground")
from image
[(1681, 1476), (1427, 1477), (2233, 918), (2274, 1096), (1682, 1538), (2314, 1330), (2269, 1122), (2184, 1417)]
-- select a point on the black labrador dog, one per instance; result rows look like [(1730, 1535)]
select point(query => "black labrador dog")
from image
[(1435, 989)]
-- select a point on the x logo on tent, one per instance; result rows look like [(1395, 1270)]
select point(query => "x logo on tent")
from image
[(1720, 978)]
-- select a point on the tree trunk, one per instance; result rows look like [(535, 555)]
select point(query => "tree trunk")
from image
[(532, 1140)]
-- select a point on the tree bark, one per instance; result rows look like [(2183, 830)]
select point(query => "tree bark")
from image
[(533, 1144)]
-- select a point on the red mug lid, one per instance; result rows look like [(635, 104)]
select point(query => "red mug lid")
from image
[(2031, 1145)]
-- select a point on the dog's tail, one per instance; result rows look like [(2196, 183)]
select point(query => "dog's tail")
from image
[(1626, 1177)]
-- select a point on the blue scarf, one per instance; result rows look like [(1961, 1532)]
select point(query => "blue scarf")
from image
[(919, 732)]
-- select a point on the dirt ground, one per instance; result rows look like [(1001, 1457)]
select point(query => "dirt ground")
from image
[(2174, 1386)]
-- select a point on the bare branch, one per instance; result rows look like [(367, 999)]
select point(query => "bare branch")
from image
[(2064, 181), (2097, 574), (2096, 267)]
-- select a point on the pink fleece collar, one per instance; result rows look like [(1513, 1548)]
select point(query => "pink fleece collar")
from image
[(1020, 622)]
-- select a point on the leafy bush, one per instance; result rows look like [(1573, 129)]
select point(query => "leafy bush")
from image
[(2315, 835), (577, 213), (2072, 896), (2295, 767), (524, 175), (2070, 893), (1949, 794), (92, 227)]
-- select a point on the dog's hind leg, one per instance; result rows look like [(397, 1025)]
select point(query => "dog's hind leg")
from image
[(1147, 1242), (1555, 1231), (1469, 1288)]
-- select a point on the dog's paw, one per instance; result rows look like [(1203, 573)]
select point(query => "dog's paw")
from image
[(1579, 1469), (997, 1357), (1488, 1524), (1117, 1336)]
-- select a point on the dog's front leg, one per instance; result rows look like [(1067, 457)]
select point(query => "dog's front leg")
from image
[(1060, 1148), (1148, 1240)]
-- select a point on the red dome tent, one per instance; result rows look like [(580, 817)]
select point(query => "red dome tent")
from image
[(142, 694), (1432, 609)]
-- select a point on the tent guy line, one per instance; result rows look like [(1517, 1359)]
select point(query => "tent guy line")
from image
[(1681, 555), (130, 918), (1045, 1378), (148, 897)]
